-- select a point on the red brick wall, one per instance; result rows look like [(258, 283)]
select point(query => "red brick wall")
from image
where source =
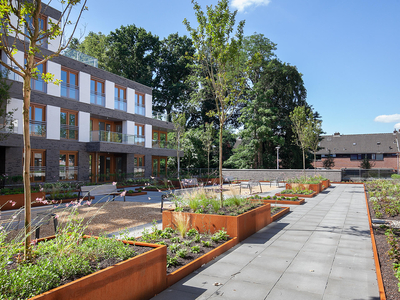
[(387, 163)]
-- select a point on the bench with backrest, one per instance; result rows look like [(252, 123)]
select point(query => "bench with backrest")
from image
[(99, 190), (249, 185)]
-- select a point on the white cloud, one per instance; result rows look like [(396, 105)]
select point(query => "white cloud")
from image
[(388, 118), (397, 126), (240, 5)]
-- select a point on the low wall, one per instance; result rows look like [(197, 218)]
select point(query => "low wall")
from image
[(282, 174)]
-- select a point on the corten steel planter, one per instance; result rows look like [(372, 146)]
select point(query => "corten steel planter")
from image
[(241, 226), (272, 201), (326, 183), (140, 277), (280, 214), (297, 195), (19, 199), (174, 277), (317, 187), (136, 194)]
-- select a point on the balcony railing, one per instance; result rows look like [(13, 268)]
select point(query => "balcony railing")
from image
[(11, 75), (69, 132), (140, 109), (160, 144), (138, 171), (39, 85), (70, 91), (37, 128), (9, 127), (97, 98), (120, 104), (160, 116), (116, 137), (38, 173), (68, 173)]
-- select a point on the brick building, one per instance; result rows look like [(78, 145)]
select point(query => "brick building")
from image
[(91, 127), (348, 151)]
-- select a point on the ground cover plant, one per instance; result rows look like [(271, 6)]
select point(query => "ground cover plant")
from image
[(275, 197), (306, 180), (183, 244), (297, 191)]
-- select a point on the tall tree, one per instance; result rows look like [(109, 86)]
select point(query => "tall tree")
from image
[(179, 121), (20, 25), (207, 139), (95, 45), (218, 54), (132, 53), (172, 70), (315, 135)]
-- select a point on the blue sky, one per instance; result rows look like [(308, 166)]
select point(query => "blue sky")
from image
[(347, 50)]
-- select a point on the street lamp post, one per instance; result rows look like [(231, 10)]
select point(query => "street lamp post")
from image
[(277, 157)]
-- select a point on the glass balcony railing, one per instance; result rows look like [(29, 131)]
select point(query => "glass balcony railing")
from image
[(37, 128), (120, 104), (160, 116), (140, 109), (116, 137), (39, 85), (70, 91), (160, 144), (97, 98), (9, 127), (68, 173), (38, 173), (11, 75)]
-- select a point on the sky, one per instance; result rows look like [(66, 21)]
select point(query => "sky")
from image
[(347, 50)]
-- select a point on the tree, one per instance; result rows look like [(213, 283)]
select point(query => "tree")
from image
[(207, 139), (300, 117), (21, 29), (132, 53), (329, 162), (171, 87), (95, 45), (218, 56), (366, 163), (315, 135), (179, 121)]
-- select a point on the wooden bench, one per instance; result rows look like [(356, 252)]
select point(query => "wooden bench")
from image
[(188, 183), (249, 185), (99, 190)]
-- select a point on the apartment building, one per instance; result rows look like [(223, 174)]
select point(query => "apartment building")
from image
[(94, 126), (348, 151)]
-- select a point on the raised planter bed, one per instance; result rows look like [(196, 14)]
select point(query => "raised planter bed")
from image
[(297, 195), (19, 199), (174, 277), (326, 183), (280, 214), (241, 226), (136, 194), (273, 201), (317, 187), (140, 277)]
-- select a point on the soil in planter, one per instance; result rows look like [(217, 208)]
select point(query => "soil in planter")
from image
[(233, 210), (276, 210), (176, 244)]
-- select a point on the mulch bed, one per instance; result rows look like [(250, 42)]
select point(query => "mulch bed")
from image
[(390, 282)]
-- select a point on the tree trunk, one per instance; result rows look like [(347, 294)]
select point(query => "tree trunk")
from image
[(220, 163), (304, 163), (177, 157), (26, 169)]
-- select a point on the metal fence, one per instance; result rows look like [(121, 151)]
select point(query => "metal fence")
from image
[(366, 174)]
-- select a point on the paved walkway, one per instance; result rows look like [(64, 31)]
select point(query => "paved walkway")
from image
[(321, 250)]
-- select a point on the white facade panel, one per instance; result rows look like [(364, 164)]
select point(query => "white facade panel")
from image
[(55, 69), (16, 106), (148, 133), (84, 126), (149, 106), (109, 93), (52, 122), (53, 45), (128, 127), (84, 87), (130, 101)]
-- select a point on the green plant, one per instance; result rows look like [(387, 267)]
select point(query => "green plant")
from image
[(171, 261), (182, 252), (175, 239), (195, 249), (182, 223), (206, 243), (192, 232), (174, 247)]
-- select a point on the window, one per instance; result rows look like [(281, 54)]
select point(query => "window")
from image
[(38, 165), (39, 84), (139, 104), (139, 166), (139, 135), (159, 139), (69, 84), (68, 124), (42, 27), (120, 98), (379, 156), (68, 165), (353, 157), (37, 120), (97, 92)]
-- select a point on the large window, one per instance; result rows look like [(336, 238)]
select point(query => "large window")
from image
[(38, 165), (139, 135), (68, 165), (160, 139), (39, 84), (29, 29), (139, 165), (37, 120), (97, 92), (69, 85), (120, 98), (68, 124), (139, 104)]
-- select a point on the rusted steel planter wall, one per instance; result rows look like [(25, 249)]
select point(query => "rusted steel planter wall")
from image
[(272, 201), (19, 199), (297, 195), (241, 226), (317, 187), (280, 214), (140, 277)]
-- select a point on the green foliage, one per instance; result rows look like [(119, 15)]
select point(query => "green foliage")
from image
[(329, 162), (182, 252), (195, 249), (171, 261), (206, 243), (395, 176), (366, 163)]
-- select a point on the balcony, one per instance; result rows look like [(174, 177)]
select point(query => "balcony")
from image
[(37, 128), (79, 56), (160, 116), (39, 85), (116, 137), (68, 173), (140, 109), (160, 144), (120, 104), (70, 91), (11, 75), (9, 127), (38, 173), (97, 98), (69, 132)]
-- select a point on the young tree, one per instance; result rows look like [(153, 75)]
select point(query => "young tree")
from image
[(315, 132), (218, 56), (301, 125), (329, 162), (21, 30), (366, 163), (179, 121), (208, 138)]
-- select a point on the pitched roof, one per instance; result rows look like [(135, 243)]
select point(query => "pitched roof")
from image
[(359, 143)]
